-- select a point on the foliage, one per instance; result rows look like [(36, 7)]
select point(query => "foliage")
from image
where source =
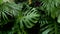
[(22, 17)]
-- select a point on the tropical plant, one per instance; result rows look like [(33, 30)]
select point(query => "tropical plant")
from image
[(30, 17)]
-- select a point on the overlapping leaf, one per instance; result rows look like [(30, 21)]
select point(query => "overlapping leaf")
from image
[(8, 9), (51, 28), (51, 6), (28, 18)]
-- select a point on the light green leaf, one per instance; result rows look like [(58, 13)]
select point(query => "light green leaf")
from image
[(1, 1), (58, 19)]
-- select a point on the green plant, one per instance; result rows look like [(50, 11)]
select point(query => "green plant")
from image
[(18, 18)]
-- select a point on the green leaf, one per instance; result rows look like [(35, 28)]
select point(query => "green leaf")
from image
[(1, 1), (10, 9), (28, 17), (50, 28), (58, 19), (46, 31)]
